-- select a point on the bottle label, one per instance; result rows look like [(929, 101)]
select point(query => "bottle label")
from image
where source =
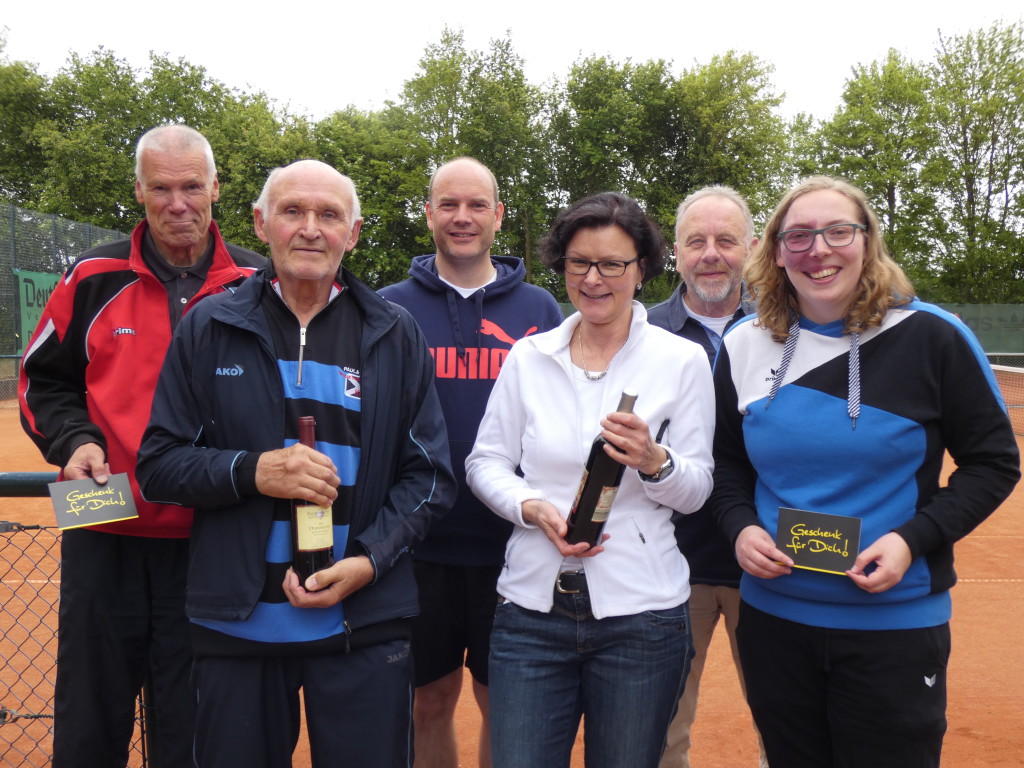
[(604, 503), (314, 526), (579, 492)]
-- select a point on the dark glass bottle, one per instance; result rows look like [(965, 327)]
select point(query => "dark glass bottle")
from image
[(598, 486), (312, 526)]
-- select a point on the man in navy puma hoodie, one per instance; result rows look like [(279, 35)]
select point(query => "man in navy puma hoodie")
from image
[(472, 307)]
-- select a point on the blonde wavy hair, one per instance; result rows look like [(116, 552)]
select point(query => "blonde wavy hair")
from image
[(882, 282)]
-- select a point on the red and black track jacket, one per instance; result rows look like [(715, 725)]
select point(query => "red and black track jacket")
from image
[(91, 367)]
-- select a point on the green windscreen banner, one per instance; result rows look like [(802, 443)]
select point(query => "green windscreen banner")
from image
[(999, 327), (33, 289)]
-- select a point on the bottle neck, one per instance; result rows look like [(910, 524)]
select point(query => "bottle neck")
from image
[(307, 431), (627, 401)]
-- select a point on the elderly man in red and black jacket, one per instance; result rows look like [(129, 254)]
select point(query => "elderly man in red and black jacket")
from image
[(86, 388)]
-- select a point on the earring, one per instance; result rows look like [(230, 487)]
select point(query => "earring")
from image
[(639, 286)]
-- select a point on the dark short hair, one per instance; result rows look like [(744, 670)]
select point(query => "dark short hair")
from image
[(607, 209)]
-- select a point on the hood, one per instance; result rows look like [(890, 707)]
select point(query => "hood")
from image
[(510, 273)]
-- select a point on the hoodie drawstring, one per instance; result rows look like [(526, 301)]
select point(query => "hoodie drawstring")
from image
[(453, 317), (853, 373)]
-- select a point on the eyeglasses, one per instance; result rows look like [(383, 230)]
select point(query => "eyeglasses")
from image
[(609, 268), (837, 235)]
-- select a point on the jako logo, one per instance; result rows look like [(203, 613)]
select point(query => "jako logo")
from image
[(392, 658), (124, 331), (235, 370)]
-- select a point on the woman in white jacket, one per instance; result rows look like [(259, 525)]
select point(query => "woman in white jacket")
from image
[(600, 632)]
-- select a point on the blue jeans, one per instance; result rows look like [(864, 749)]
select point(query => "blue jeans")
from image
[(624, 674)]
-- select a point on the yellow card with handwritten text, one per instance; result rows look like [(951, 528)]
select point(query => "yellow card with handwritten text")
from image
[(818, 541), (85, 502)]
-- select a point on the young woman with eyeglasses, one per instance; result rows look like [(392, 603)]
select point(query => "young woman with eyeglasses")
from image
[(842, 396)]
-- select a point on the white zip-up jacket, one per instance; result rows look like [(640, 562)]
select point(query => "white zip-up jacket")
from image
[(538, 419)]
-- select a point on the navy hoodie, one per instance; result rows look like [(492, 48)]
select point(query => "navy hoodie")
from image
[(470, 339)]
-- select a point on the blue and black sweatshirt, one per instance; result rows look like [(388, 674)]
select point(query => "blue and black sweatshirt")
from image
[(858, 425), (226, 393)]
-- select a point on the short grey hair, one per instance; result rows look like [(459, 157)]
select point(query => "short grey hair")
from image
[(262, 203), (717, 190), (167, 138)]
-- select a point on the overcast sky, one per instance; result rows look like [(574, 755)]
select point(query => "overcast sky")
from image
[(316, 56)]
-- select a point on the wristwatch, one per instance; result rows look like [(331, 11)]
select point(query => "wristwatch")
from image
[(660, 473)]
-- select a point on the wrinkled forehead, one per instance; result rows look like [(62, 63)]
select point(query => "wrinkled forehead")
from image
[(311, 190), (169, 165), (712, 215)]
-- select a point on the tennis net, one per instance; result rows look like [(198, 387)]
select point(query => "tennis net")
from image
[(1009, 371)]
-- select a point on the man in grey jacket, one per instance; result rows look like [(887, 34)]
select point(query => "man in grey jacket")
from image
[(714, 235)]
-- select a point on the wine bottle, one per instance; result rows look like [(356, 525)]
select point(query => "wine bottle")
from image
[(598, 486), (312, 526)]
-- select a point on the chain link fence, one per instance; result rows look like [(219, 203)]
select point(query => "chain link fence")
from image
[(36, 243), (30, 569), (29, 597)]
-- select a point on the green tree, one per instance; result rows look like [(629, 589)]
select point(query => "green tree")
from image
[(882, 139), (739, 139), (978, 98), (638, 129), (437, 97), (805, 148), (623, 128), (505, 130), (87, 144), (249, 139), (101, 108), (248, 135), (175, 91), (388, 161), (595, 121), (24, 102), (90, 117), (479, 103)]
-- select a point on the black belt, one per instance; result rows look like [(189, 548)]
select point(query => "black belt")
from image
[(571, 583)]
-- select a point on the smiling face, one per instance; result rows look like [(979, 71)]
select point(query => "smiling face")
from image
[(603, 300), (308, 223), (711, 246), (826, 278), (463, 213), (178, 190)]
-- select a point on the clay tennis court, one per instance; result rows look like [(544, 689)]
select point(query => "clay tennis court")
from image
[(986, 675)]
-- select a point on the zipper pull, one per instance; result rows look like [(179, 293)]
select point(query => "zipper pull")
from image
[(302, 349), (638, 531)]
